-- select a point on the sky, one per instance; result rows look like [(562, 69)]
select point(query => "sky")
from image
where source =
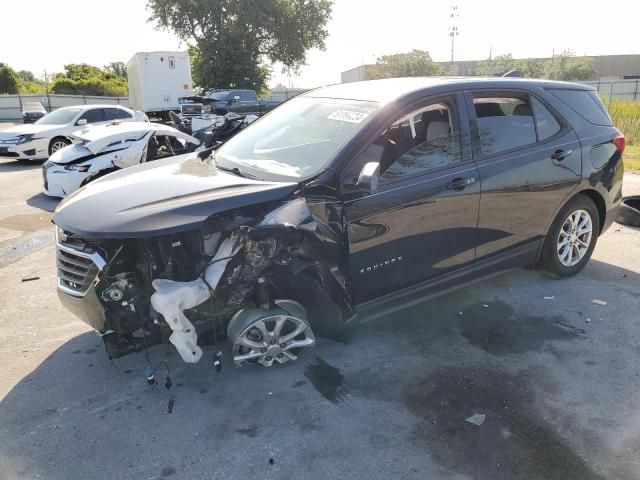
[(103, 31)]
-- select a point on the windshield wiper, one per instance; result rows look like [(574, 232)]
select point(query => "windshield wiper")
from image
[(237, 171)]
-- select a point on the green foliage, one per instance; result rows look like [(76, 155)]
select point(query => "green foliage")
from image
[(567, 66), (495, 66), (26, 76), (625, 116), (9, 79), (233, 39), (83, 79), (416, 63), (117, 68)]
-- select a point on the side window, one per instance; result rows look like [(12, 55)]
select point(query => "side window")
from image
[(504, 122), (424, 140), (246, 96), (116, 114), (586, 103), (546, 123), (159, 146), (94, 116)]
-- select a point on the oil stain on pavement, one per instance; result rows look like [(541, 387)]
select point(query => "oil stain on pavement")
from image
[(512, 444), (499, 330), (327, 380)]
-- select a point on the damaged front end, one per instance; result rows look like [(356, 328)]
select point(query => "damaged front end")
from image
[(266, 277)]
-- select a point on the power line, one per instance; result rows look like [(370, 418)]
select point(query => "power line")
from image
[(454, 31)]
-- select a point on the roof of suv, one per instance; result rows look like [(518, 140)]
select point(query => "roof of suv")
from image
[(389, 89)]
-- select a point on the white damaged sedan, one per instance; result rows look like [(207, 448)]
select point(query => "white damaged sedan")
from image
[(101, 150)]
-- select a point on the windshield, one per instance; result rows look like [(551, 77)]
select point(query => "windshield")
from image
[(298, 138), (59, 117), (222, 95)]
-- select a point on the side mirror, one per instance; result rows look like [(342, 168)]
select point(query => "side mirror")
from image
[(82, 121), (369, 177), (236, 98)]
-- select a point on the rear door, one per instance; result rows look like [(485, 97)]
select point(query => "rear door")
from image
[(529, 160), (421, 221), (93, 116)]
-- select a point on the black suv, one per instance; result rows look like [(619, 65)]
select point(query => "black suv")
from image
[(347, 201)]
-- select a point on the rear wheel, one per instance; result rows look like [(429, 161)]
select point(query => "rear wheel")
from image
[(58, 143), (571, 238)]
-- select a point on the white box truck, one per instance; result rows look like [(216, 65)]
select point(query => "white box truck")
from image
[(157, 80)]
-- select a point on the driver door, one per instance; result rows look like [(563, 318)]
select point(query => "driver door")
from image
[(421, 221)]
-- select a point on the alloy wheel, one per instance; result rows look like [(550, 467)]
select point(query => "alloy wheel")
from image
[(272, 339), (574, 238)]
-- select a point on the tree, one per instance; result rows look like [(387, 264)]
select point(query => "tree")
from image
[(84, 79), (26, 76), (415, 63), (530, 68), (232, 39), (495, 66), (567, 66), (9, 79), (117, 68)]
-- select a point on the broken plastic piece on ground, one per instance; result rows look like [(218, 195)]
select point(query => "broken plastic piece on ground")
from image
[(477, 419), (598, 302), (549, 297), (30, 279), (588, 320), (171, 298), (485, 305)]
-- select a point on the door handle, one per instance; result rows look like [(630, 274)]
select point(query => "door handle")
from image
[(560, 154), (459, 184)]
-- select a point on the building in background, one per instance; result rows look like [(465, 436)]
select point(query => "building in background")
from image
[(607, 68)]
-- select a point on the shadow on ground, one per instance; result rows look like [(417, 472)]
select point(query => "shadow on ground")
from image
[(401, 390), (43, 202), (7, 165)]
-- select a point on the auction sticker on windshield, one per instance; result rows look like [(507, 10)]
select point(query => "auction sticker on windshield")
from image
[(348, 116)]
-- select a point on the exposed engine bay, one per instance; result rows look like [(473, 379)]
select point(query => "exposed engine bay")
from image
[(253, 278)]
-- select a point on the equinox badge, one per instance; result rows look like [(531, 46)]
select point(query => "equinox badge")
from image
[(378, 266)]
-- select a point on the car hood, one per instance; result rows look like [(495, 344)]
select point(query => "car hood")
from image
[(70, 154), (160, 198), (28, 128)]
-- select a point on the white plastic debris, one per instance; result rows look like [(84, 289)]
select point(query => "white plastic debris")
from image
[(549, 297), (599, 302), (485, 305), (588, 320), (477, 419), (171, 298)]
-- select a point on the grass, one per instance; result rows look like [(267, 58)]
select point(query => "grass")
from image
[(631, 157), (626, 117)]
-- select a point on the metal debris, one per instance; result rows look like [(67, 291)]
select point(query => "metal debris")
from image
[(477, 419), (30, 279), (599, 302), (170, 405)]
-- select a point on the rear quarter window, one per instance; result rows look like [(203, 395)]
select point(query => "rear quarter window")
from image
[(585, 103)]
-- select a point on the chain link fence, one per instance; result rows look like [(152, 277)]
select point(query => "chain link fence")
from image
[(11, 105)]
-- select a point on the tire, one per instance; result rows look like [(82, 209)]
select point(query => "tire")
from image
[(629, 211), (57, 144), (564, 252)]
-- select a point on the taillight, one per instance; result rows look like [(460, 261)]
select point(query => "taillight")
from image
[(620, 142)]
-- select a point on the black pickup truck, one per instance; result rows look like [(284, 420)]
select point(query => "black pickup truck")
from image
[(239, 101)]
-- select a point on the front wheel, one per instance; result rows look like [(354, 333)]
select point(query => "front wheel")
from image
[(58, 143), (571, 238)]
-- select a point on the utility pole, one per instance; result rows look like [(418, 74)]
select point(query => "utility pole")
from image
[(453, 28), (46, 87)]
